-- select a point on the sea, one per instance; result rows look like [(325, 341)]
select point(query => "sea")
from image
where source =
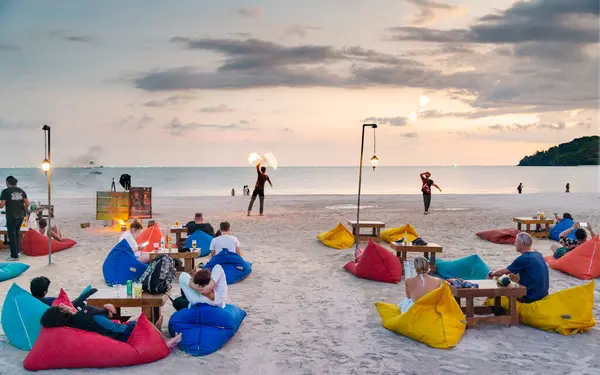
[(219, 181)]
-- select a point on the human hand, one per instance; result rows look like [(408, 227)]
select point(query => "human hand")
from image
[(111, 309), (576, 225)]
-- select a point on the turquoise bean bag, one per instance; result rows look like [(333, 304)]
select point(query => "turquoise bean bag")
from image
[(10, 270), (467, 268), (21, 314), (203, 241)]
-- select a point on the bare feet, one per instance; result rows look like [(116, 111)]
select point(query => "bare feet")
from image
[(172, 342)]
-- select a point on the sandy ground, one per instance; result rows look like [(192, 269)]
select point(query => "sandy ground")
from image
[(307, 315)]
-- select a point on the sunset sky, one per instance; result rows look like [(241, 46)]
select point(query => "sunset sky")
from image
[(205, 83)]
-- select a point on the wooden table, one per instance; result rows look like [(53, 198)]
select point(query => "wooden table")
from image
[(188, 257), (178, 234), (149, 303), (4, 236), (528, 221), (375, 225), (490, 289), (428, 250)]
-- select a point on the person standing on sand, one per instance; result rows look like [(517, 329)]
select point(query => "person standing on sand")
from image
[(426, 184), (520, 188), (568, 188), (16, 202), (259, 188)]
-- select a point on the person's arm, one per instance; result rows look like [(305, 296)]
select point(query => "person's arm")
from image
[(422, 175), (590, 229), (3, 199), (211, 229), (568, 231), (437, 187), (212, 248), (25, 202), (237, 247), (269, 180), (258, 167), (406, 289), (108, 324), (499, 272), (204, 290), (2, 204)]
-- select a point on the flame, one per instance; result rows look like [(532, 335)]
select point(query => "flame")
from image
[(121, 222)]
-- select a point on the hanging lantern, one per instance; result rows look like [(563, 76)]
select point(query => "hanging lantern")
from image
[(374, 162)]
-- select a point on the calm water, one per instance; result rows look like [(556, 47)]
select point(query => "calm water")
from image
[(168, 182)]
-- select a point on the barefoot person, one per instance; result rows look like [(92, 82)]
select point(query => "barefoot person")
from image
[(259, 188), (54, 231), (206, 286), (93, 319), (14, 199), (420, 285), (426, 183)]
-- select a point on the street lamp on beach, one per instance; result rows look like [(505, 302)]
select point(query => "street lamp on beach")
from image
[(374, 163), (46, 166)]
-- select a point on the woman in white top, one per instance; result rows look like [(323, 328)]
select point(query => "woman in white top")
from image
[(225, 241), (130, 235), (420, 285)]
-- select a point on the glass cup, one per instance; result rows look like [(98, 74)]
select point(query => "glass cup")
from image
[(118, 289), (176, 224), (194, 245), (137, 290), (155, 246)]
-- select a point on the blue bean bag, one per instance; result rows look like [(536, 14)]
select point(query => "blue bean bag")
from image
[(235, 267), (21, 314), (121, 265), (467, 268), (203, 241), (205, 328), (10, 270), (562, 226)]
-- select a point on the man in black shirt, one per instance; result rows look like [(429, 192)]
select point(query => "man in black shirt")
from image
[(199, 224), (16, 202), (259, 188)]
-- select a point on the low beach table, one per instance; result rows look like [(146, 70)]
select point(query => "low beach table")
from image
[(490, 289), (188, 257), (178, 234), (428, 251), (375, 225), (150, 304), (528, 221), (4, 236)]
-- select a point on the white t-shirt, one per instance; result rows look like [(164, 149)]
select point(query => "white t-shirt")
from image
[(130, 240), (227, 241), (218, 276)]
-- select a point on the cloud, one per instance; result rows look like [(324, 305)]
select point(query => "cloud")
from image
[(524, 127), (17, 125), (299, 30), (64, 35), (92, 154), (8, 47), (178, 128), (171, 101), (393, 121), (221, 108), (429, 11), (409, 135), (572, 21), (242, 34), (137, 124), (249, 11)]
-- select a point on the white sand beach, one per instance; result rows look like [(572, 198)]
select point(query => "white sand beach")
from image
[(306, 314)]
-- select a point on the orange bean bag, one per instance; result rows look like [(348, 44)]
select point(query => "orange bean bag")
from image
[(503, 235), (35, 244), (583, 262), (376, 263), (65, 347), (152, 235)]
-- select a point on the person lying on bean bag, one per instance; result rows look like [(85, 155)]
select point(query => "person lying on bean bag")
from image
[(93, 319), (567, 243)]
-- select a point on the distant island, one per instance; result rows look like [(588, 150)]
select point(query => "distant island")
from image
[(580, 151)]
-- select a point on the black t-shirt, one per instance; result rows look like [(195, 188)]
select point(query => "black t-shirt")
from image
[(261, 179), (15, 202), (205, 227)]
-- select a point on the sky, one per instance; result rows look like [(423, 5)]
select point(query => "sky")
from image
[(206, 83)]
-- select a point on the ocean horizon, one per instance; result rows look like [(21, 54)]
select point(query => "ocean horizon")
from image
[(218, 181)]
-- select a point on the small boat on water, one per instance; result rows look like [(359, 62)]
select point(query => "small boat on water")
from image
[(94, 169)]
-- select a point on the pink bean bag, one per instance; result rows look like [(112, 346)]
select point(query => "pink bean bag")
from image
[(58, 348), (376, 263), (35, 244), (503, 236)]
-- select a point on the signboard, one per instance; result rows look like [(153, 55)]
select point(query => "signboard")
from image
[(140, 202), (112, 206)]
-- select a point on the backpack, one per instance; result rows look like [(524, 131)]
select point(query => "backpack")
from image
[(159, 275)]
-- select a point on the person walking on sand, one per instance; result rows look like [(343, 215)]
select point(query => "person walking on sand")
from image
[(426, 184), (520, 188), (259, 188), (16, 202)]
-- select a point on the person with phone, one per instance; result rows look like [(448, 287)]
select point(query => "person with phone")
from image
[(568, 244), (130, 235)]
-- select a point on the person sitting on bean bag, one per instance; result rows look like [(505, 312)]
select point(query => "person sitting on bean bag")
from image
[(567, 244), (420, 285), (93, 319), (206, 286), (54, 231), (130, 235), (225, 241), (39, 289)]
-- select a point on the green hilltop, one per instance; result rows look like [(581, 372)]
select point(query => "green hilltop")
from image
[(580, 151)]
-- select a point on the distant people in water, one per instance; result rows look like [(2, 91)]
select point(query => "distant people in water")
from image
[(520, 188), (568, 188), (246, 190), (54, 231), (233, 192), (113, 186), (426, 184), (199, 224), (259, 188)]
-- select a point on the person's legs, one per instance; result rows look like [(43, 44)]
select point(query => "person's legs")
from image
[(254, 194), (13, 227), (261, 197), (555, 247), (427, 201)]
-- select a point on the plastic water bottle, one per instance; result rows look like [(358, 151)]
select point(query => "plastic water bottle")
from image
[(162, 243), (538, 214), (405, 241)]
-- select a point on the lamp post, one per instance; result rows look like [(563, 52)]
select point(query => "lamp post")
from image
[(374, 163), (46, 168)]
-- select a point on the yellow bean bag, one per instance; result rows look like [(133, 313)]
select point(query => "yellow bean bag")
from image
[(396, 234), (567, 312), (338, 238), (435, 319)]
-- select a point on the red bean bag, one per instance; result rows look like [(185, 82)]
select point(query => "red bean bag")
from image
[(152, 235), (35, 244), (583, 262), (376, 263), (58, 348), (503, 235)]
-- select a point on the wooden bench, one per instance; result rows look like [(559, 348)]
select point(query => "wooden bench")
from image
[(150, 304), (490, 289), (374, 225), (428, 251), (4, 237), (528, 221)]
